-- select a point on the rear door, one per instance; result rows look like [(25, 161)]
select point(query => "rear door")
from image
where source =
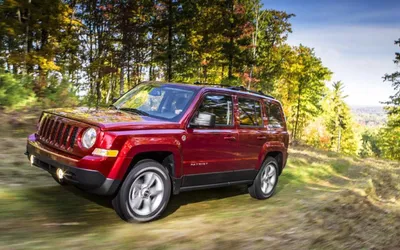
[(252, 133), (209, 154), (277, 133)]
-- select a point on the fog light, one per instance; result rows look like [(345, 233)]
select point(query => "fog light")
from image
[(60, 173), (32, 159)]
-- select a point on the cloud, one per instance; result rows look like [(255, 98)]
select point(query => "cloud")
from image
[(358, 55)]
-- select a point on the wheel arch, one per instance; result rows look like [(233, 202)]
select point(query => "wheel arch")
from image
[(165, 150), (278, 155), (165, 158)]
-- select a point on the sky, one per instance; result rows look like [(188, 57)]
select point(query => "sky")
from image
[(353, 38)]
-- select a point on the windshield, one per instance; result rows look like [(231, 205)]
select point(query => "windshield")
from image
[(156, 100)]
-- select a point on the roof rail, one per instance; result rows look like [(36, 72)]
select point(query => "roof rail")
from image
[(211, 84), (241, 88), (237, 88)]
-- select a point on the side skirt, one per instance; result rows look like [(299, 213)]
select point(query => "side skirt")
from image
[(213, 180), (225, 184)]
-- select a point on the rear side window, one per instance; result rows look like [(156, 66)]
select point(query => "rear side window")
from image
[(220, 106), (250, 112), (275, 117)]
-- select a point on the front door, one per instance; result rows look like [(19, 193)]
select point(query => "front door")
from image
[(209, 154)]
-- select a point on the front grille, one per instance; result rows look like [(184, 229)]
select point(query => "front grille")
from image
[(56, 131), (67, 130), (73, 137)]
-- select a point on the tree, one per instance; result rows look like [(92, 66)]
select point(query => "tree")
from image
[(393, 107), (389, 141), (339, 121), (369, 146), (302, 88), (237, 36), (269, 50)]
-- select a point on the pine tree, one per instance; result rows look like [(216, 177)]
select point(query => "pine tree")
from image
[(339, 121)]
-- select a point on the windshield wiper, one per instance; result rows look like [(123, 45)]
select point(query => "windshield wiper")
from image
[(137, 111)]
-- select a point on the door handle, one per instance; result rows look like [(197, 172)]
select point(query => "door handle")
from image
[(261, 137), (230, 138)]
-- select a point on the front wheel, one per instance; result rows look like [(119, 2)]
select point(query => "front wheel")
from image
[(145, 193), (265, 183)]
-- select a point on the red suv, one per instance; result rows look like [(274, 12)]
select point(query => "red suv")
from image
[(162, 138)]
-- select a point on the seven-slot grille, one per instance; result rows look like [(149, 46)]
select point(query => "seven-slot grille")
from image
[(57, 132)]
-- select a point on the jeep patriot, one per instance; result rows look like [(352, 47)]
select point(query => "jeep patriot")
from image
[(160, 139)]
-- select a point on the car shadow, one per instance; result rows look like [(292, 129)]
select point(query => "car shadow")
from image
[(175, 202), (197, 196), (104, 201)]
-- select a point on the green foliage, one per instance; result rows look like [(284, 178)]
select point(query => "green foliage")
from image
[(334, 128), (370, 144), (14, 91), (59, 93), (339, 121), (390, 135), (100, 49), (393, 107), (317, 135), (389, 142), (302, 88)]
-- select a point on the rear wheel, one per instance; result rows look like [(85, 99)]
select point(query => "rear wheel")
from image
[(265, 183), (145, 193)]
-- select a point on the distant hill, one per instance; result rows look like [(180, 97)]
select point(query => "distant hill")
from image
[(369, 116)]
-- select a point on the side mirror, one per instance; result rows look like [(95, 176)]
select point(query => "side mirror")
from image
[(114, 99), (203, 119)]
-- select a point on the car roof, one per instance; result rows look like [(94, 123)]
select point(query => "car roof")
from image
[(216, 87)]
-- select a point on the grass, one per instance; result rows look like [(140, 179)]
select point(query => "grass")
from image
[(323, 201)]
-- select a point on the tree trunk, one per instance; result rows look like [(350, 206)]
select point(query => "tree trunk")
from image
[(121, 82), (296, 124), (151, 67), (98, 92), (169, 51), (205, 73), (128, 72), (339, 139), (109, 91), (230, 67), (41, 83), (255, 36)]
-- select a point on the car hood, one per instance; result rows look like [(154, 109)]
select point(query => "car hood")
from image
[(112, 119)]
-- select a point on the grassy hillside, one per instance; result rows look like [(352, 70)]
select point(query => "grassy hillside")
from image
[(324, 200)]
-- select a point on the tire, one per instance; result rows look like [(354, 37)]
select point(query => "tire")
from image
[(265, 183), (144, 194)]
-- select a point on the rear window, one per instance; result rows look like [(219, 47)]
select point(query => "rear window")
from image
[(275, 117), (250, 112)]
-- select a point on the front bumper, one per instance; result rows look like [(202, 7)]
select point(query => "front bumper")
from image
[(89, 180)]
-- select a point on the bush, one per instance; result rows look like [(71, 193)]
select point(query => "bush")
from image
[(58, 93), (14, 91)]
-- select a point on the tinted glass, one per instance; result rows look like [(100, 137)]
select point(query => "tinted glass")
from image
[(250, 112), (220, 106), (274, 113), (157, 100)]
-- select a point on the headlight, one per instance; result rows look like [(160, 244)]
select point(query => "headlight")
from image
[(89, 138)]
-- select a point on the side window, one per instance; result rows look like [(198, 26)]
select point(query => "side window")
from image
[(220, 106), (275, 118), (250, 112)]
